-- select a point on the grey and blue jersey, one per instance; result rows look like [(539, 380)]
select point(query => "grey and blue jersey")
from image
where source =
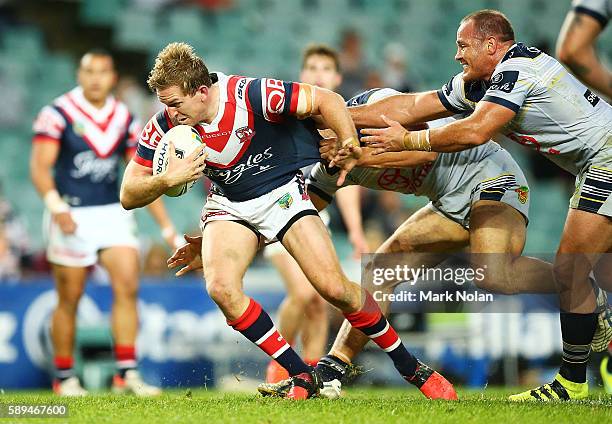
[(453, 181), (556, 115), (601, 10)]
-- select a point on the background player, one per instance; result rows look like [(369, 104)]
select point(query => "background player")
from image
[(576, 49), (321, 68), (517, 91), (79, 142), (576, 45), (268, 200)]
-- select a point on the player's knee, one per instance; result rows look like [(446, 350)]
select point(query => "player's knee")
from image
[(222, 292), (316, 308), (494, 275)]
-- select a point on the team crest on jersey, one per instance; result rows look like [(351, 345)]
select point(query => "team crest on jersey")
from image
[(523, 194), (286, 201), (79, 128), (245, 134)]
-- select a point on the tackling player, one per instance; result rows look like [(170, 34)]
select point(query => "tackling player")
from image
[(517, 92), (321, 68), (255, 146), (79, 142)]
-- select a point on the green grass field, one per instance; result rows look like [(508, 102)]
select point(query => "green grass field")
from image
[(357, 406)]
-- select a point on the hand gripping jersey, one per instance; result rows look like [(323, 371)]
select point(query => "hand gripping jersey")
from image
[(601, 10), (254, 145), (556, 115), (430, 179), (453, 182), (92, 142)]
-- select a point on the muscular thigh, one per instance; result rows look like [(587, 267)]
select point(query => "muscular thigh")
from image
[(496, 227), (227, 250), (308, 241), (426, 231)]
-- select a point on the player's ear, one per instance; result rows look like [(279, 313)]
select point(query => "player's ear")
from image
[(203, 90)]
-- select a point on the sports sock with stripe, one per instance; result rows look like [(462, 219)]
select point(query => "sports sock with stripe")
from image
[(370, 320), (63, 367), (125, 357), (577, 331), (255, 324)]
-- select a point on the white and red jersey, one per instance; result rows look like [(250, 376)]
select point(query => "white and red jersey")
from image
[(254, 144), (92, 143)]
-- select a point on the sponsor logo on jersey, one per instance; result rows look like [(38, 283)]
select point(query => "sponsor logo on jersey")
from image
[(275, 96), (286, 201), (88, 164), (252, 162), (504, 81), (523, 194)]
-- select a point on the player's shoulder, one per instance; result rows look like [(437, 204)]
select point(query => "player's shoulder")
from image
[(155, 128), (522, 57), (600, 10), (371, 96)]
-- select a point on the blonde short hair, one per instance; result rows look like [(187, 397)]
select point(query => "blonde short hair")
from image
[(178, 65)]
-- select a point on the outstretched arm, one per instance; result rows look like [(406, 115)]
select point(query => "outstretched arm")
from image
[(407, 109), (487, 120)]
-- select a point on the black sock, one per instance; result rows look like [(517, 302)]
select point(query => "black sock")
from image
[(331, 368), (577, 331)]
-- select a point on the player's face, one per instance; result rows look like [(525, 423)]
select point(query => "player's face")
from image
[(183, 109), (97, 77), (472, 53), (320, 70)]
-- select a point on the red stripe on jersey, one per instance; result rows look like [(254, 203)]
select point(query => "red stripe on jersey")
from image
[(247, 318), (295, 94), (273, 343), (141, 161), (247, 143), (43, 138), (387, 339), (92, 146), (102, 125)]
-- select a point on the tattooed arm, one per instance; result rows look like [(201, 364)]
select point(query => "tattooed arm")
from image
[(576, 49)]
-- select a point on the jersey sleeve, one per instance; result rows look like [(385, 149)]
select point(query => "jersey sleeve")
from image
[(272, 98), (600, 10), (510, 86), (452, 95), (149, 138), (133, 134), (49, 125)]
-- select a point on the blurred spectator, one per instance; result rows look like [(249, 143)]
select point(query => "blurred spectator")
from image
[(9, 261), (354, 70), (141, 102), (395, 71), (374, 80)]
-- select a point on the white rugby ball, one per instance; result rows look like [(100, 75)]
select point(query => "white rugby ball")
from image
[(185, 139)]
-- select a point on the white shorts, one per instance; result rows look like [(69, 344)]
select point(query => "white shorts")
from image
[(270, 215), (277, 248), (98, 227)]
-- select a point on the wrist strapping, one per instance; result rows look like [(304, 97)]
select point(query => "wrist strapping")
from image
[(417, 140), (54, 202)]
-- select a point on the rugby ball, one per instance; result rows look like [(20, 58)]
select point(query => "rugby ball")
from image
[(185, 139)]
